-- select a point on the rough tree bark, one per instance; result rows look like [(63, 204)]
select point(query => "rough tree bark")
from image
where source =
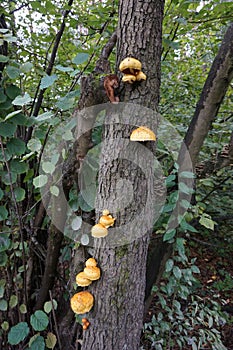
[(214, 90), (117, 316)]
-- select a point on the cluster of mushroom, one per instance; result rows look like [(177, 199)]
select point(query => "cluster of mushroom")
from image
[(82, 302), (90, 273), (101, 229), (132, 70)]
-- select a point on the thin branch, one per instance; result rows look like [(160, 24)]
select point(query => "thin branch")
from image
[(55, 321)]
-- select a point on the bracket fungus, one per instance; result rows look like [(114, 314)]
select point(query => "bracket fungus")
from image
[(132, 70), (92, 272), (82, 280), (91, 262), (142, 134), (82, 302), (101, 229), (85, 323)]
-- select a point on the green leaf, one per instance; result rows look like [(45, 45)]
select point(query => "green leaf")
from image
[(1, 193), (187, 227), (39, 320), (34, 145), (12, 114), (54, 190), (80, 58), (4, 59), (40, 181), (44, 116), (38, 343), (169, 265), (19, 194), (169, 235), (12, 72), (51, 340), (4, 241), (18, 333), (187, 175), (7, 178), (177, 272), (76, 223), (7, 129), (5, 326), (3, 305), (16, 147), (48, 167), (3, 97), (184, 188), (26, 67), (65, 103), (48, 306), (18, 166), (82, 203), (13, 91), (3, 258), (207, 222), (3, 216), (23, 309), (47, 81), (22, 100), (13, 301), (64, 69)]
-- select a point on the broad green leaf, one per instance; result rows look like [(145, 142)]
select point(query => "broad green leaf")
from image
[(48, 306), (207, 222), (22, 100), (16, 146), (3, 305), (65, 103), (38, 343), (51, 340), (185, 226), (47, 81), (169, 235), (3, 258), (13, 301), (177, 272), (23, 309), (54, 190), (184, 188), (48, 167), (2, 287), (18, 166), (6, 105), (1, 193), (187, 175), (64, 69), (40, 181), (4, 59), (76, 223), (7, 178), (44, 116), (83, 204), (26, 67), (13, 91), (169, 265), (12, 114), (34, 145), (12, 72), (39, 320), (3, 97), (7, 129), (80, 58), (18, 333), (3, 216), (19, 194), (5, 326)]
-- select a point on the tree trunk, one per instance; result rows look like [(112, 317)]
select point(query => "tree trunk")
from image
[(126, 188), (214, 90)]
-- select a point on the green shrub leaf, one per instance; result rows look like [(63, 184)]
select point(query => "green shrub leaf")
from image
[(39, 320), (18, 333)]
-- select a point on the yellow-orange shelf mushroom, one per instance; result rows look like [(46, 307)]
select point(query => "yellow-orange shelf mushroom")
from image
[(99, 231), (82, 280), (132, 70), (92, 272), (142, 134), (82, 302)]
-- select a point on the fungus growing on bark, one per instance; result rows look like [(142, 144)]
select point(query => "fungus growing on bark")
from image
[(132, 70), (107, 220), (142, 134), (91, 262), (85, 323), (82, 302), (92, 272), (82, 280), (99, 231)]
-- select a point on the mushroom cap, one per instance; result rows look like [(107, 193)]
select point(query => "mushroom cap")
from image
[(130, 63), (106, 220), (82, 280), (99, 231), (82, 302), (106, 212), (142, 134), (129, 78), (92, 272), (91, 262), (140, 76)]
